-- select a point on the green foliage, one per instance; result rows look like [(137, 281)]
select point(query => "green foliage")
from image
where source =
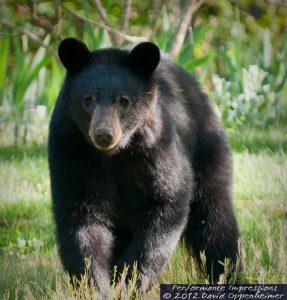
[(25, 78), (4, 50), (238, 51), (252, 90)]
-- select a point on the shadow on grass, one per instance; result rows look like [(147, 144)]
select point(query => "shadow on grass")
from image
[(20, 152), (258, 140)]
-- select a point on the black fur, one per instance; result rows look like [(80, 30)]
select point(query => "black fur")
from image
[(169, 175)]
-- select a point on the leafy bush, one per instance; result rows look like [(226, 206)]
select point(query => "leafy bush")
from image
[(256, 103), (238, 51)]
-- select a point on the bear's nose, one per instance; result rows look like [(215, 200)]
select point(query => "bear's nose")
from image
[(104, 137)]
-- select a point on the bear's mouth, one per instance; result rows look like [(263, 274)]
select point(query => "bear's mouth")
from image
[(105, 148)]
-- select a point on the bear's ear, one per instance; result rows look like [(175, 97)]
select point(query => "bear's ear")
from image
[(74, 54), (145, 57)]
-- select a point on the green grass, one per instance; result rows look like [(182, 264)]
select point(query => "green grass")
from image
[(29, 262), (254, 140)]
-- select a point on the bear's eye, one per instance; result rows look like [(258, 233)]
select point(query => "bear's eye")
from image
[(124, 101), (88, 102)]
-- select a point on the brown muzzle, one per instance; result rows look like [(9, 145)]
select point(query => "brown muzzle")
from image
[(105, 129)]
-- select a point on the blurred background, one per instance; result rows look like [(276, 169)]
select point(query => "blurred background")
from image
[(237, 50)]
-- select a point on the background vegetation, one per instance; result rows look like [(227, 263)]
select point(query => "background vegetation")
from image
[(236, 49)]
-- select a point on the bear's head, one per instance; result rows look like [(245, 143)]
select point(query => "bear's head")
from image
[(111, 93)]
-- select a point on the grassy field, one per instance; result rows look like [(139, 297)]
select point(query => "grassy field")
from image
[(29, 263)]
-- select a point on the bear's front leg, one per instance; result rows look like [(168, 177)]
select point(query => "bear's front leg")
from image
[(87, 241), (155, 238)]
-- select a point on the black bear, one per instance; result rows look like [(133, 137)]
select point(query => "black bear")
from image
[(138, 160)]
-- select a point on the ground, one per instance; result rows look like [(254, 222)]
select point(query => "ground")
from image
[(29, 263)]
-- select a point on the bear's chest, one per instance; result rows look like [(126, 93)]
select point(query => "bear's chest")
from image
[(122, 189), (135, 183), (131, 197)]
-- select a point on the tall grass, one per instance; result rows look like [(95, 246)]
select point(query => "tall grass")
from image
[(29, 262)]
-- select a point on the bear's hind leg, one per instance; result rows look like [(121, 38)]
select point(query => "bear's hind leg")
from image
[(212, 226), (214, 231)]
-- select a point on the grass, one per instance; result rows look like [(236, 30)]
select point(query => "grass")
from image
[(29, 263)]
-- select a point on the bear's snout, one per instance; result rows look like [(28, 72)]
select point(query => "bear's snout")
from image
[(105, 128), (104, 137)]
